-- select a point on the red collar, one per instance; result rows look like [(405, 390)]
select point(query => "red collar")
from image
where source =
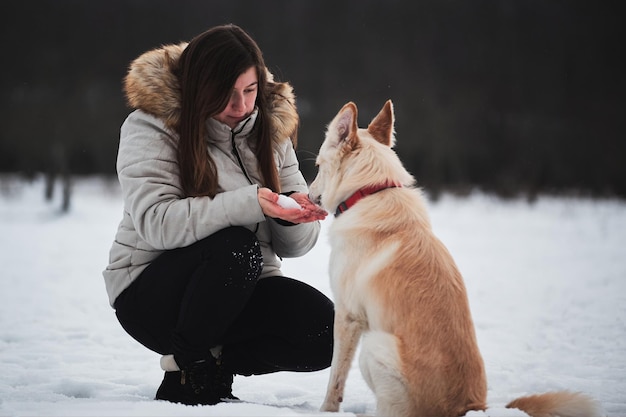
[(363, 192)]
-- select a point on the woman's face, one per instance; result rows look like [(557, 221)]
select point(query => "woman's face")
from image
[(242, 99)]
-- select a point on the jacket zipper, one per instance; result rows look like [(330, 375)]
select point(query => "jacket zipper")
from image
[(240, 161), (233, 134)]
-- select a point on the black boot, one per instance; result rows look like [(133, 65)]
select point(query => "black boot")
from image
[(194, 385), (224, 381)]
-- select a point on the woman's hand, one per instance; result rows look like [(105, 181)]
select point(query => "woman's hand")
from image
[(309, 212)]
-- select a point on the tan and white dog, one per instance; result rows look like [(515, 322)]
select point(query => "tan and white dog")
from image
[(397, 288)]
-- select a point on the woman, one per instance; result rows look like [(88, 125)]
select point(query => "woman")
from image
[(194, 270)]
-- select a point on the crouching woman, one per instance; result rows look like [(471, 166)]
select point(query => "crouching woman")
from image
[(194, 270)]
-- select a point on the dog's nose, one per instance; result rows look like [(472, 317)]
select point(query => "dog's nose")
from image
[(315, 199)]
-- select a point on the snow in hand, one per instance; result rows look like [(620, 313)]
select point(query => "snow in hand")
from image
[(546, 284), (287, 202)]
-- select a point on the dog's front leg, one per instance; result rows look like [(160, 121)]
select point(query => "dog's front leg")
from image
[(347, 333)]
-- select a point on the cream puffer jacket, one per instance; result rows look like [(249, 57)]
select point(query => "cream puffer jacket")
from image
[(157, 216)]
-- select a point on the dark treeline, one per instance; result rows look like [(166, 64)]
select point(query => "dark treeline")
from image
[(511, 96)]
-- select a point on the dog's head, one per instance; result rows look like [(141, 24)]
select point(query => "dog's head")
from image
[(352, 158)]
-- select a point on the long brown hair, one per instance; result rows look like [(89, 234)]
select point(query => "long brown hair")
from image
[(207, 70)]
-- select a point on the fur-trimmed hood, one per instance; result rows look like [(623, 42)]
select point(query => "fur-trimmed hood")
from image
[(152, 86)]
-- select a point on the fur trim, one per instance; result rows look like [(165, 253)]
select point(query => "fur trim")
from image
[(282, 108), (152, 86)]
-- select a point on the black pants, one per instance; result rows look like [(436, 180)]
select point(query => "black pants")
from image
[(208, 294)]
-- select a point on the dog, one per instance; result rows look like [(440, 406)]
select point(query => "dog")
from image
[(397, 289)]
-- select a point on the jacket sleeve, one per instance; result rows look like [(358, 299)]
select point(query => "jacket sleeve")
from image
[(149, 176), (290, 241)]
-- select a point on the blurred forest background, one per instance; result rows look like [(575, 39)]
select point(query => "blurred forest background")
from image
[(511, 96)]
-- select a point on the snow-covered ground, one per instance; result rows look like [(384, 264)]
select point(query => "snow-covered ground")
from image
[(546, 282)]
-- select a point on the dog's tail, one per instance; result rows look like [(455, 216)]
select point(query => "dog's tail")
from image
[(559, 403)]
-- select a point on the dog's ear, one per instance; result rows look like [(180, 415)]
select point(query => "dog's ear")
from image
[(345, 124), (381, 127)]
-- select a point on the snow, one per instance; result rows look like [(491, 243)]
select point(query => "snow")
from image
[(546, 283), (287, 202)]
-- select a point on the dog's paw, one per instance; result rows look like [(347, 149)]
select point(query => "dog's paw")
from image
[(330, 406)]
